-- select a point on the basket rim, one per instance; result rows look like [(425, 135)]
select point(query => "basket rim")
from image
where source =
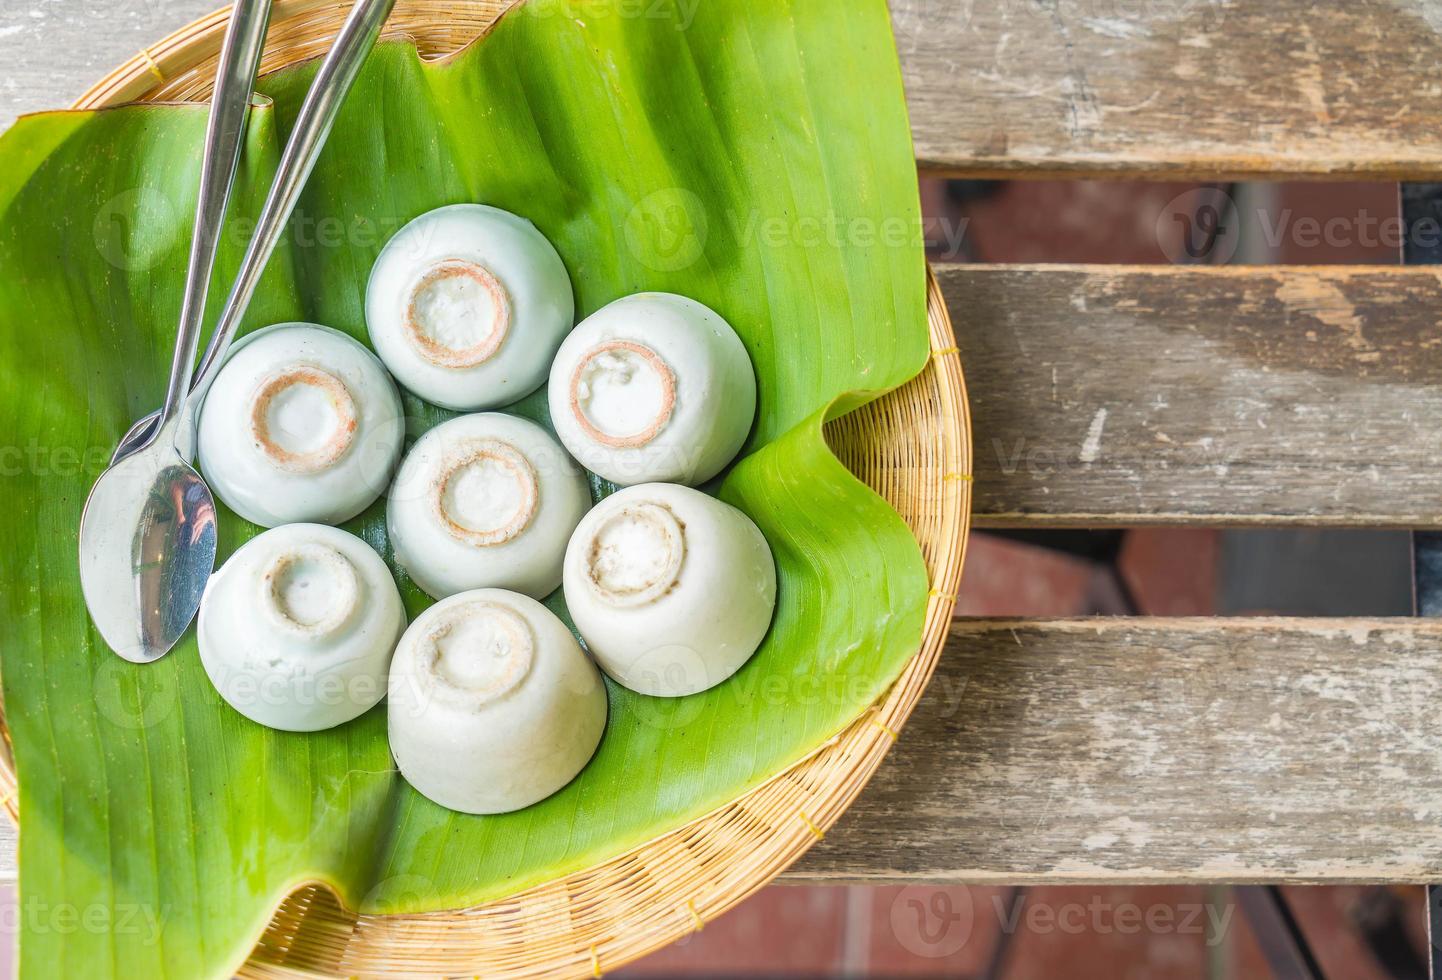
[(877, 727)]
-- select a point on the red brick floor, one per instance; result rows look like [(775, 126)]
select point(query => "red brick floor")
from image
[(781, 931), (1140, 933), (1172, 571), (1325, 915), (1003, 578), (1054, 221)]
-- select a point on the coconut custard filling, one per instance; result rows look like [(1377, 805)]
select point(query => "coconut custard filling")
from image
[(303, 419), (311, 591), (457, 315), (622, 394), (635, 556), (477, 653), (486, 493)]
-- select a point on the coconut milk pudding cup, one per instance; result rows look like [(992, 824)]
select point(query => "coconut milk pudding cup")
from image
[(302, 424), (493, 705), (654, 388), (297, 629), (466, 306), (485, 501), (672, 590)]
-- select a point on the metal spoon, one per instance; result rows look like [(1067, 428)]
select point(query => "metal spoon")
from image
[(148, 536), (154, 505)]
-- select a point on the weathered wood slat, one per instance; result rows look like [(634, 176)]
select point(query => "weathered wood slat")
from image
[(1241, 88), (1178, 87), (1107, 395), (1161, 750), (1132, 750)]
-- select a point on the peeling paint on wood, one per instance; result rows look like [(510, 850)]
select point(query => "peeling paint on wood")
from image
[(1160, 750)]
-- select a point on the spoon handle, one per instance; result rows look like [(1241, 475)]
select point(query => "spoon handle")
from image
[(234, 82), (312, 125)]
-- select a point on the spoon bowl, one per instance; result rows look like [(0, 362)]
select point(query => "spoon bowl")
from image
[(143, 592)]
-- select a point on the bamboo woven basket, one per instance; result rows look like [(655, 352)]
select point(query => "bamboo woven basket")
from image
[(913, 447)]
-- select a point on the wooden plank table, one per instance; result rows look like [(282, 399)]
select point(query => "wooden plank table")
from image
[(1133, 750)]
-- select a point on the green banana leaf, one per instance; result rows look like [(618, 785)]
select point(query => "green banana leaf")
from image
[(753, 155)]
